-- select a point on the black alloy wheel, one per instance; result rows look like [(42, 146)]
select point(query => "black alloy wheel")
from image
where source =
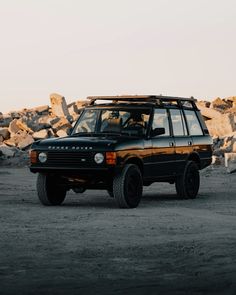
[(128, 187), (187, 185)]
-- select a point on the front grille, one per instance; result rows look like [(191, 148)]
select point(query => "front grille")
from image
[(70, 159)]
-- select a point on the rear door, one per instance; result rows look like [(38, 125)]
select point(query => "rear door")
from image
[(201, 142), (183, 141)]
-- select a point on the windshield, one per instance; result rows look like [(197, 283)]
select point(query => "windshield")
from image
[(131, 122)]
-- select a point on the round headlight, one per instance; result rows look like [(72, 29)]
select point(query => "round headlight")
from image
[(98, 158), (43, 157)]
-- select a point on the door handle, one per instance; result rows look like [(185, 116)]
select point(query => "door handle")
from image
[(171, 144), (190, 143)]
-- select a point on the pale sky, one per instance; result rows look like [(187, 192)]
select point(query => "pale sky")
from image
[(104, 47)]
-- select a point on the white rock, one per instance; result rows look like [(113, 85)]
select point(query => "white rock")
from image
[(208, 112), (13, 127), (25, 142), (40, 134), (59, 106), (221, 126), (62, 133), (230, 162)]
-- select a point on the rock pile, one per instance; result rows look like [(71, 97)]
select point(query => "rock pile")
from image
[(220, 118), (19, 129)]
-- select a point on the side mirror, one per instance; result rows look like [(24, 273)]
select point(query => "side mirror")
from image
[(158, 131)]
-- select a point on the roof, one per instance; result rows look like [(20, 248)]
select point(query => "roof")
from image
[(139, 98)]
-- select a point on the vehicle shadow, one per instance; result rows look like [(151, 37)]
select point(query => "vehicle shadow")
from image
[(160, 197)]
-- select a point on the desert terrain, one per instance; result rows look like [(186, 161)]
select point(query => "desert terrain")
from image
[(89, 246)]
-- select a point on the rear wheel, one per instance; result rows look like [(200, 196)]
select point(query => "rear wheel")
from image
[(187, 185), (49, 192), (128, 187)]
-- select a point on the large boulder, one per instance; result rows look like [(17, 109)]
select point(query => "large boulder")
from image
[(18, 124), (4, 133), (21, 139), (208, 112), (59, 106), (42, 134), (221, 126), (63, 123)]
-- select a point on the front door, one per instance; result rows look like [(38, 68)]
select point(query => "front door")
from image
[(163, 146)]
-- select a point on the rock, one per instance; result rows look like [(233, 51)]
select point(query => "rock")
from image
[(21, 139), (63, 123), (4, 133), (73, 109), (25, 142), (62, 133), (209, 113), (216, 160), (221, 126), (13, 127), (23, 126), (5, 120), (41, 134), (203, 103), (59, 106), (218, 103), (7, 151), (16, 125), (41, 110), (230, 162), (53, 120)]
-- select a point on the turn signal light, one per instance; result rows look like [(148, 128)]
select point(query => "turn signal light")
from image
[(111, 158), (33, 157)]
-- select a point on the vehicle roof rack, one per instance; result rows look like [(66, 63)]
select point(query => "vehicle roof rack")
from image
[(157, 99)]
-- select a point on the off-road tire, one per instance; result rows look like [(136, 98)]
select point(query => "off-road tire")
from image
[(187, 184), (49, 193), (128, 186)]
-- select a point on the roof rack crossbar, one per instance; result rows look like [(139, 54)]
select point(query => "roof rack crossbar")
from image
[(157, 99)]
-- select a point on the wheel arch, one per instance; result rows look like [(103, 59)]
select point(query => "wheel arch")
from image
[(136, 161), (195, 158)]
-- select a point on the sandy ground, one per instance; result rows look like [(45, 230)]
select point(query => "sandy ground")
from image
[(88, 246)]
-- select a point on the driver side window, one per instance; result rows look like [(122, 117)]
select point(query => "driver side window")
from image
[(160, 120)]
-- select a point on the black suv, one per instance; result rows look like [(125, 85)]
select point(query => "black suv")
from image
[(121, 143)]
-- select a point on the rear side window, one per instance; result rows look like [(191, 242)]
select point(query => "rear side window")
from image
[(160, 120), (178, 123), (194, 126)]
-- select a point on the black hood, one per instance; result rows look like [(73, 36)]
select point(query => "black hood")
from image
[(87, 143)]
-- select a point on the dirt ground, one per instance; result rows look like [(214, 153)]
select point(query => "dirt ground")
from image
[(88, 246)]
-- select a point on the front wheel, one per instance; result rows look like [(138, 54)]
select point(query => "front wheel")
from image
[(187, 184), (49, 192), (128, 187)]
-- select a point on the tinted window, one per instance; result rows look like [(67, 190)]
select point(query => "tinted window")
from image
[(160, 120), (193, 123), (87, 122), (178, 123)]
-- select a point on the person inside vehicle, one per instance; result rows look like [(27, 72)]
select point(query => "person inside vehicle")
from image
[(136, 119)]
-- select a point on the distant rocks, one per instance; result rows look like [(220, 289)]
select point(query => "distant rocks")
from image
[(220, 118), (19, 129)]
